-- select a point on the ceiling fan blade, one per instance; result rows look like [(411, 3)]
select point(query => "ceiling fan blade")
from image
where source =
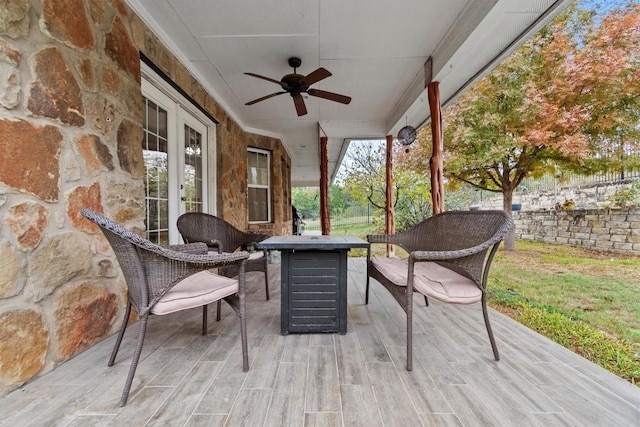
[(301, 109), (264, 97), (316, 76), (269, 79), (330, 96)]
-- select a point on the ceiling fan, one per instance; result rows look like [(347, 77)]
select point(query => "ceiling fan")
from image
[(296, 84)]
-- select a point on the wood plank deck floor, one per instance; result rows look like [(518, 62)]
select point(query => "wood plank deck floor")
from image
[(357, 379)]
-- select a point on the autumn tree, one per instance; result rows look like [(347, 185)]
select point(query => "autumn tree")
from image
[(567, 98), (604, 69), (364, 176), (364, 180)]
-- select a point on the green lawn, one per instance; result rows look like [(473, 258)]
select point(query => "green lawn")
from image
[(601, 289), (587, 301)]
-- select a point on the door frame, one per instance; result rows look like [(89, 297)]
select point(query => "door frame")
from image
[(155, 87)]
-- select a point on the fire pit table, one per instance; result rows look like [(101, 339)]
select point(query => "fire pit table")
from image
[(314, 281)]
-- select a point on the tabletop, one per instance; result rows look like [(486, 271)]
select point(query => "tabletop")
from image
[(312, 242)]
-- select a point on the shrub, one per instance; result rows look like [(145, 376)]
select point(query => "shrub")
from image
[(626, 197)]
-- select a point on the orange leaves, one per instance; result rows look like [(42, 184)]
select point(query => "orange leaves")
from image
[(570, 95), (573, 145)]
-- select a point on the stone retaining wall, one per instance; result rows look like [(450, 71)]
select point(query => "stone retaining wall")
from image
[(608, 230)]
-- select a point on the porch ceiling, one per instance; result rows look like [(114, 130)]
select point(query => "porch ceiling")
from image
[(375, 49)]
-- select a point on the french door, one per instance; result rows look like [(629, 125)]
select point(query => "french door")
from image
[(175, 149)]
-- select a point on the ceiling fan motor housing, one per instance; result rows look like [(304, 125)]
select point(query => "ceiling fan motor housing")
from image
[(294, 83)]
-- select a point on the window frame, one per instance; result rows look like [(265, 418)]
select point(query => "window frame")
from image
[(267, 153)]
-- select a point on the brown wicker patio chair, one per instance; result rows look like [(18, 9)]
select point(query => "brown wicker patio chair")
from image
[(223, 237), (449, 259), (166, 279)]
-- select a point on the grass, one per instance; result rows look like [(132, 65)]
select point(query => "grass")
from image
[(586, 301), (597, 288)]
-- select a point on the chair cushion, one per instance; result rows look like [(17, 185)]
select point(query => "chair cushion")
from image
[(430, 279), (197, 290), (394, 269)]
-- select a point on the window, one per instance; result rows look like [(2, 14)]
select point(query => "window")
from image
[(258, 183)]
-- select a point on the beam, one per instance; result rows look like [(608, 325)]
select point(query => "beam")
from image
[(428, 71)]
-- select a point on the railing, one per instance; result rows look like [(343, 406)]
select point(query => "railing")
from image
[(569, 179), (352, 216)]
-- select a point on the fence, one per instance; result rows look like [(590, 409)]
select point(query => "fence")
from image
[(550, 182), (352, 216)]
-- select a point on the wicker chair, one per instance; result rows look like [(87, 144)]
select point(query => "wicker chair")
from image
[(223, 237), (449, 259), (167, 279)]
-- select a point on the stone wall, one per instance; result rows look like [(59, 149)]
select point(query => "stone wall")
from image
[(70, 131), (608, 230)]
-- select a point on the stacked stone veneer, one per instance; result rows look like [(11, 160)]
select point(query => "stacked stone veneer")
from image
[(609, 230), (70, 132)]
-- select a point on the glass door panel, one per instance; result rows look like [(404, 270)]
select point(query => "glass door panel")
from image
[(193, 170), (156, 160)]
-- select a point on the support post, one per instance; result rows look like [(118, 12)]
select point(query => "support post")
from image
[(437, 180), (325, 220), (389, 209)]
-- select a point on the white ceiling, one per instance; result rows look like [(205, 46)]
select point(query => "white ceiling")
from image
[(375, 49)]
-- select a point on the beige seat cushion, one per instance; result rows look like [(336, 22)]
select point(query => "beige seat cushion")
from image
[(197, 290), (394, 269), (430, 279)]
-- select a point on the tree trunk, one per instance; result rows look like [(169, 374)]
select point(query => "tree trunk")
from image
[(437, 178), (389, 210), (510, 238), (325, 219)]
